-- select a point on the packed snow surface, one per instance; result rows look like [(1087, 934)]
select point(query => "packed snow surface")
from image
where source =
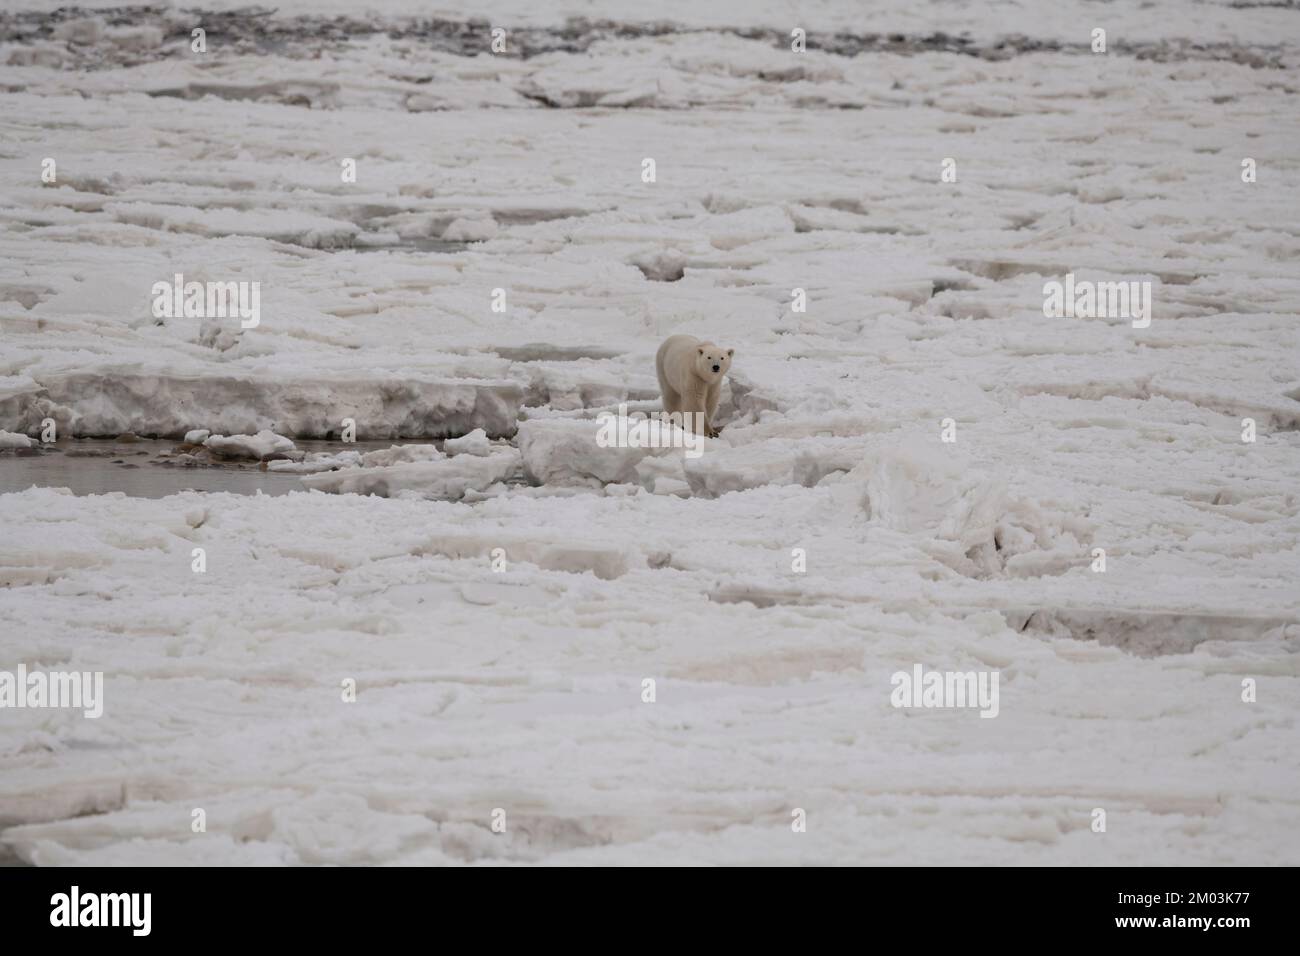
[(367, 670)]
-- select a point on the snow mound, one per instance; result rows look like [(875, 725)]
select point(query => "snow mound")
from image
[(567, 452), (470, 230), (400, 454), (445, 478), (317, 462), (12, 440), (371, 461), (262, 445), (919, 488), (475, 443)]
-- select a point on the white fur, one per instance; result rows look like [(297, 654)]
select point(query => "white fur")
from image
[(687, 380)]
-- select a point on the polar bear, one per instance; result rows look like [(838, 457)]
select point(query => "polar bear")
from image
[(690, 379)]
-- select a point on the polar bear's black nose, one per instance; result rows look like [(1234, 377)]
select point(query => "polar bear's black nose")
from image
[(717, 368)]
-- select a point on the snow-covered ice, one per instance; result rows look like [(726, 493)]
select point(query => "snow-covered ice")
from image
[(258, 447), (475, 443), (443, 477), (501, 598)]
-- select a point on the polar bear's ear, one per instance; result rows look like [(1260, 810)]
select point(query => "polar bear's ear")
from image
[(730, 352)]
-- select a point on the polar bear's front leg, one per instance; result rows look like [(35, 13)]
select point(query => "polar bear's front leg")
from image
[(694, 400), (711, 399)]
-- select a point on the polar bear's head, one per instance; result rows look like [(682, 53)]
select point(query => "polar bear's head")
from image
[(712, 362)]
